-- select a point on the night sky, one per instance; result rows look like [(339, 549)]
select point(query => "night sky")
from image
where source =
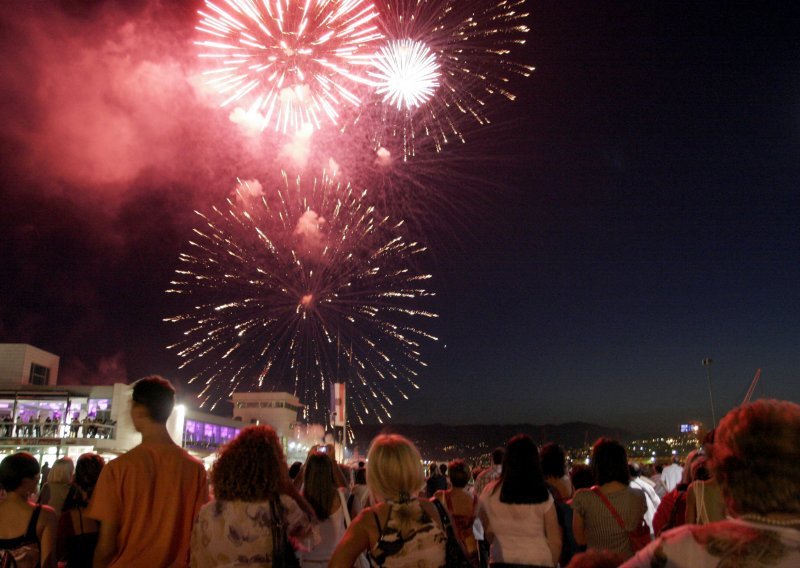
[(632, 212)]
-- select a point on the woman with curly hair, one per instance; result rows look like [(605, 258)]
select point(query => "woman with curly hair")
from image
[(400, 530), (77, 534), (756, 459), (254, 501)]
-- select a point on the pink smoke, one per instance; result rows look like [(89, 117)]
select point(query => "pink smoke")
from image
[(107, 371), (309, 230), (97, 102)]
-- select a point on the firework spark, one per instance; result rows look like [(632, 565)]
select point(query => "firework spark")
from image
[(467, 45), (293, 292), (287, 62), (407, 74)]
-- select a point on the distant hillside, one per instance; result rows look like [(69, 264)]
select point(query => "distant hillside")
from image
[(473, 441)]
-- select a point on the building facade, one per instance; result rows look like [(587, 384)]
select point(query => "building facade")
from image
[(51, 421)]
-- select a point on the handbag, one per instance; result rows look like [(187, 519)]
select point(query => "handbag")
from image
[(455, 555), (639, 537), (673, 520), (283, 555)]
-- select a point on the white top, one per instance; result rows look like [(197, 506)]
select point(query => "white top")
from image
[(518, 530), (331, 531), (671, 476), (653, 500)]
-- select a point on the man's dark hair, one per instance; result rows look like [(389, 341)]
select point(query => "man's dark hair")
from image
[(361, 476), (15, 468), (609, 462), (497, 456), (157, 395), (554, 460), (443, 468)]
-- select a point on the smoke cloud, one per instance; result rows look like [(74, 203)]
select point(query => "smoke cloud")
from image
[(309, 230), (107, 371), (109, 143)]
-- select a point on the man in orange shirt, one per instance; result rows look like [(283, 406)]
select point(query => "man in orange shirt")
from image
[(147, 499)]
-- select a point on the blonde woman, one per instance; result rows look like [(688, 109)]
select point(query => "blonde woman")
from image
[(59, 482), (400, 530)]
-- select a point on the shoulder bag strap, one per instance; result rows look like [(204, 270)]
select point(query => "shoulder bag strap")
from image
[(700, 502), (609, 506), (343, 501), (448, 501), (442, 514)]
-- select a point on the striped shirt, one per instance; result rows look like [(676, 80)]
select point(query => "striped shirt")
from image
[(601, 528)]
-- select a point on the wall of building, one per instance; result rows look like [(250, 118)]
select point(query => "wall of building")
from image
[(15, 364), (278, 409)]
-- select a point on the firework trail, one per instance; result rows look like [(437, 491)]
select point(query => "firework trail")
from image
[(296, 289), (288, 63), (441, 63)]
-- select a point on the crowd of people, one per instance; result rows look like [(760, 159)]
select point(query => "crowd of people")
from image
[(733, 502), (44, 425)]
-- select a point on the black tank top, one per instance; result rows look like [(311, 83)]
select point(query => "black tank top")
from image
[(80, 547), (27, 545)]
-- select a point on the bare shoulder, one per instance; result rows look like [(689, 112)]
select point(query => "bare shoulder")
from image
[(368, 520), (580, 495), (368, 514), (47, 518), (48, 513), (431, 510)]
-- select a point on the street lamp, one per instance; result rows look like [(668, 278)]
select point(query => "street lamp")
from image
[(707, 364)]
